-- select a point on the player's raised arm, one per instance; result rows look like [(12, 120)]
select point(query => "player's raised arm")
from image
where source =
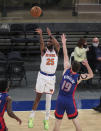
[(88, 75), (65, 53), (9, 110), (53, 39), (42, 45)]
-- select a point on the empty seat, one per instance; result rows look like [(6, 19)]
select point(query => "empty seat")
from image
[(16, 68), (17, 72)]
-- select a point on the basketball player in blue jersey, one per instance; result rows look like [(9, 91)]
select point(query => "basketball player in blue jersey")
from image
[(5, 104), (68, 85), (46, 76)]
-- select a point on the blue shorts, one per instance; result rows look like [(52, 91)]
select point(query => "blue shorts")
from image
[(67, 104)]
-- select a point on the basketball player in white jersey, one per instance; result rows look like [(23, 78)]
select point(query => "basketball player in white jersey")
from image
[(46, 76)]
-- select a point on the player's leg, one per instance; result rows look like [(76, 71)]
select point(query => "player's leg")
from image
[(35, 105), (6, 129), (76, 124), (39, 90), (37, 100), (49, 89), (59, 112), (72, 112), (32, 115), (57, 125), (2, 125), (48, 107)]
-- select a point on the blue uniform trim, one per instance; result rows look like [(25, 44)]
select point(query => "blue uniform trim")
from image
[(27, 105), (46, 74)]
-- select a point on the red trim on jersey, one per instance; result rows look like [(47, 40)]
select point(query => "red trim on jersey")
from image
[(58, 114), (75, 113), (72, 115), (2, 124), (3, 92)]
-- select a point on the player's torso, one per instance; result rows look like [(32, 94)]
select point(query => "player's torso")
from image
[(68, 84), (3, 102), (49, 62)]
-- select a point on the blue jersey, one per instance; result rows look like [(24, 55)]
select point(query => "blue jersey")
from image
[(3, 103), (65, 100), (68, 83)]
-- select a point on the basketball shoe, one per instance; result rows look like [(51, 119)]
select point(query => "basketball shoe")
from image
[(30, 123), (46, 125), (98, 108)]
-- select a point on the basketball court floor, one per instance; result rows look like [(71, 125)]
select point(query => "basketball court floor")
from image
[(89, 121), (23, 98)]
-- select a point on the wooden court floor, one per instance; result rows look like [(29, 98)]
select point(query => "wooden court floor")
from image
[(90, 121)]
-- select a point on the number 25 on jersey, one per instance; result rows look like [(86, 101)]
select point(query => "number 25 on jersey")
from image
[(50, 61)]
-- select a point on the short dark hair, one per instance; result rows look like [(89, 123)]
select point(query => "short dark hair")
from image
[(3, 85), (76, 66), (81, 42)]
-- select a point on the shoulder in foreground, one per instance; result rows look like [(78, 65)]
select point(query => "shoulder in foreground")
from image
[(9, 98)]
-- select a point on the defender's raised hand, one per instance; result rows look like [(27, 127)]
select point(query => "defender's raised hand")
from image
[(85, 63), (63, 39)]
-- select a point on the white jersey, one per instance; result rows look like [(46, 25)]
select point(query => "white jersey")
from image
[(49, 62)]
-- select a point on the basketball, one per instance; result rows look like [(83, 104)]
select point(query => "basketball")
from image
[(36, 11)]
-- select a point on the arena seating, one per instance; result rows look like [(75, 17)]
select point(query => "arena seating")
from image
[(22, 37)]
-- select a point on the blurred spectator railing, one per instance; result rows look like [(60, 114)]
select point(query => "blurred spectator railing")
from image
[(22, 37), (87, 6)]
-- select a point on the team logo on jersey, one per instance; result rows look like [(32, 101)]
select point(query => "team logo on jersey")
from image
[(50, 55)]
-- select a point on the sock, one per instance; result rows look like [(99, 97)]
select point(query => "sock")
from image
[(32, 114), (48, 106)]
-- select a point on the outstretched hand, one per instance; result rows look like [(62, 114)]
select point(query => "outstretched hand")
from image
[(63, 38), (49, 31), (39, 31), (85, 62), (19, 120)]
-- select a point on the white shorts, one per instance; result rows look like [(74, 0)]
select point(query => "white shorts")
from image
[(45, 84)]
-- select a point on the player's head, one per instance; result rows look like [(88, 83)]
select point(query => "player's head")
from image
[(3, 85), (95, 42), (81, 42), (50, 44), (75, 66)]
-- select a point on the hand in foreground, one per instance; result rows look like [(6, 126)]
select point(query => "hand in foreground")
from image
[(85, 62), (63, 38), (39, 31), (49, 31), (19, 120)]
